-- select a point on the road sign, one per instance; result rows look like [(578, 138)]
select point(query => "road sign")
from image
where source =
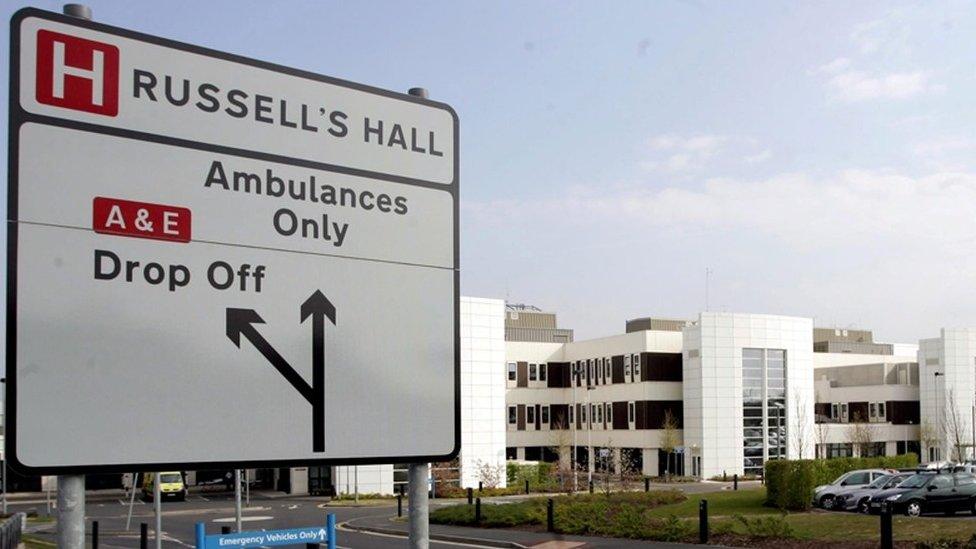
[(240, 263), (269, 538)]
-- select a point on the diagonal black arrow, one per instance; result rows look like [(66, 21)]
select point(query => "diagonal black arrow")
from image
[(319, 308), (241, 322)]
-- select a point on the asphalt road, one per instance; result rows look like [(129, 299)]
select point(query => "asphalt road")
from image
[(180, 518), (216, 510)]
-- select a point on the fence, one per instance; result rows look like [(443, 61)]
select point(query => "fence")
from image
[(11, 530)]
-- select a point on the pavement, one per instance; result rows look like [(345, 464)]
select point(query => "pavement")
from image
[(366, 527)]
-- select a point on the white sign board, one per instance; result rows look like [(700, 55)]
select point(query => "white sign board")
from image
[(260, 271)]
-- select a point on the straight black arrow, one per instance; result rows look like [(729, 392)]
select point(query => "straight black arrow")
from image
[(319, 308)]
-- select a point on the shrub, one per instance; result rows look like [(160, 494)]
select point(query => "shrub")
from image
[(766, 526), (947, 543), (790, 483)]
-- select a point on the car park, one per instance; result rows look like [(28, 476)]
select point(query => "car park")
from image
[(823, 496), (929, 493), (858, 498)]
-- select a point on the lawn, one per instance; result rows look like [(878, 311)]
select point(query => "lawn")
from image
[(738, 516)]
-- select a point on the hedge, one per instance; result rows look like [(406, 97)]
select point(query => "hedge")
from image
[(790, 483)]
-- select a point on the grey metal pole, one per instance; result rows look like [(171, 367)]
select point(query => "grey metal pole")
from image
[(356, 482), (71, 511), (237, 499), (71, 488), (418, 472), (80, 11), (4, 479), (158, 502), (419, 510), (132, 501)]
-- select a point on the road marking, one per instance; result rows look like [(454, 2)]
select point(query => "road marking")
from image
[(342, 527), (244, 519), (203, 498)]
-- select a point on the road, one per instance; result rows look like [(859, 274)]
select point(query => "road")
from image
[(216, 510)]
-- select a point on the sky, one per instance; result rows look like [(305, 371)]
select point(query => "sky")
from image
[(816, 159)]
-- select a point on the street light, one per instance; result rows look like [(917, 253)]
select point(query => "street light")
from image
[(589, 436), (938, 411)]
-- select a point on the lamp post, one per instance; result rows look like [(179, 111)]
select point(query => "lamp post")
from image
[(938, 412), (573, 461), (589, 436)]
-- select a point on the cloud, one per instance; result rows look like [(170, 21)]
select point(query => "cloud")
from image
[(758, 158), (835, 66), (854, 86), (946, 153), (676, 154)]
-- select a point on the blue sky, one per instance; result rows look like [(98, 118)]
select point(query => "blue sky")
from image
[(817, 157)]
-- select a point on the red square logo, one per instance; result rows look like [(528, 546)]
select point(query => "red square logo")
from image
[(78, 74)]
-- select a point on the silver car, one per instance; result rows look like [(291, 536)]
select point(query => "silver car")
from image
[(823, 496), (858, 498)]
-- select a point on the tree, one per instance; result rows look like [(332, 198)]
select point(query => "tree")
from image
[(955, 428), (801, 431), (821, 430), (669, 438), (929, 436), (860, 434), (489, 475), (560, 442)]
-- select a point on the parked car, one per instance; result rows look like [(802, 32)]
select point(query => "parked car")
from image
[(823, 496), (858, 498), (930, 493)]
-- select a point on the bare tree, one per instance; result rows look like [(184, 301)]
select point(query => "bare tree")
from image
[(955, 429), (489, 475), (821, 431), (669, 438), (560, 441), (861, 434), (801, 431), (929, 436)]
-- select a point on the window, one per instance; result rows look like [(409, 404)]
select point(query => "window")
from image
[(637, 367), (599, 414), (511, 371), (545, 414), (583, 414), (512, 415), (874, 411), (571, 414), (881, 412), (609, 413), (843, 412), (630, 412), (834, 412), (542, 372), (532, 372), (626, 370), (530, 414), (606, 367), (941, 481)]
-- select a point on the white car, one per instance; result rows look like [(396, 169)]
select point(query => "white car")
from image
[(823, 496)]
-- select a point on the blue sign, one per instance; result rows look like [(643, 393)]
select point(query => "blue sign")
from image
[(269, 538)]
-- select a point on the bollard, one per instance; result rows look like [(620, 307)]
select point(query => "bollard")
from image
[(735, 481), (94, 542), (526, 486), (399, 505), (480, 486), (591, 486), (762, 478), (647, 484), (550, 526), (477, 511), (470, 496), (725, 478), (311, 545), (703, 521), (887, 537), (224, 530), (143, 536)]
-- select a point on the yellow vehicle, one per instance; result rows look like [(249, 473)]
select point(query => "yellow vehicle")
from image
[(171, 486)]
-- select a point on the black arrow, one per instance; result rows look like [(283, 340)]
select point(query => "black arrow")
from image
[(241, 322), (319, 308)]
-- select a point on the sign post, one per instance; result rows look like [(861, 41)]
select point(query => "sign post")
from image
[(271, 236), (316, 535)]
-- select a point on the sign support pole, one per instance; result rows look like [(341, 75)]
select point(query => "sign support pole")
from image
[(158, 502), (237, 499), (71, 511), (418, 473), (71, 488)]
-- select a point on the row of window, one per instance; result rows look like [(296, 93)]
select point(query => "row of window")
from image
[(840, 411), (537, 372), (597, 413), (596, 370)]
